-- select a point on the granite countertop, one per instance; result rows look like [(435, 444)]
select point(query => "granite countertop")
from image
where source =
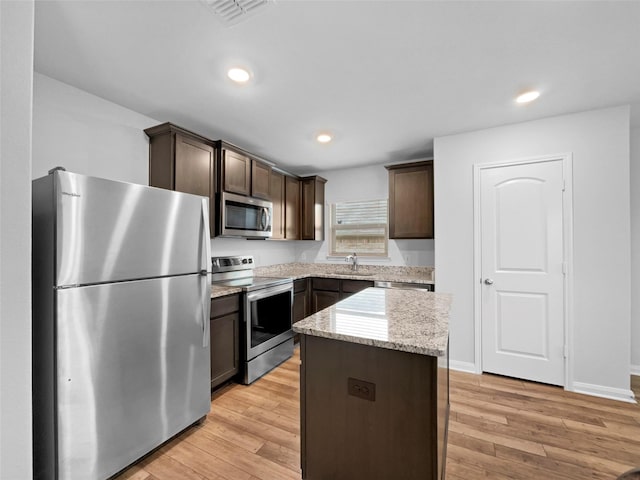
[(221, 291), (415, 321), (423, 275)]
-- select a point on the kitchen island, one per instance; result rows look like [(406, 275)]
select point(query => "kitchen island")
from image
[(375, 387)]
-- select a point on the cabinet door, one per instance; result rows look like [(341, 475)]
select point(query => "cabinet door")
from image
[(349, 287), (260, 180), (237, 173), (308, 206), (323, 299), (411, 201), (312, 208), (224, 338), (300, 306), (225, 344), (276, 191), (194, 171), (292, 209)]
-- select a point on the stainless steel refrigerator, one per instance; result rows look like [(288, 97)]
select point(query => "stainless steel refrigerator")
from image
[(121, 301)]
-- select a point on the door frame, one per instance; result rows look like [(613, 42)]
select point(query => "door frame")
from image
[(567, 231)]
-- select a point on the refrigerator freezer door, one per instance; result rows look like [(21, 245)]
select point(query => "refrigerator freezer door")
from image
[(132, 370), (111, 231)]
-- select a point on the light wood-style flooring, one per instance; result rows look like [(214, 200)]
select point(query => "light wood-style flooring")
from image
[(499, 428)]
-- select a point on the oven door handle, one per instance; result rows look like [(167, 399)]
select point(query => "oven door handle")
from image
[(269, 291)]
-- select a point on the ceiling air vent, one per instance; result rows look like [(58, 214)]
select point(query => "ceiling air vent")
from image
[(232, 12)]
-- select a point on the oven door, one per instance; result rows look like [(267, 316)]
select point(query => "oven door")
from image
[(267, 318), (245, 216)]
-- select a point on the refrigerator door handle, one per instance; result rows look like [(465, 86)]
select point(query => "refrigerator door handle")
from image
[(206, 241), (206, 274)]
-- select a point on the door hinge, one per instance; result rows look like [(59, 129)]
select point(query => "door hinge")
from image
[(565, 267), (565, 351), (564, 185)]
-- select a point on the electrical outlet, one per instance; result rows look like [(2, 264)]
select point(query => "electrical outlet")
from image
[(361, 389)]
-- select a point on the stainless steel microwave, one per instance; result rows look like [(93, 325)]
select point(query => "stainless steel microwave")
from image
[(245, 216)]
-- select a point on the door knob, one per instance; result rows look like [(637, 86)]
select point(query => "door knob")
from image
[(488, 281)]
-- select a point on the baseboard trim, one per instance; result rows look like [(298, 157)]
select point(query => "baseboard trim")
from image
[(635, 370), (605, 392), (468, 367)]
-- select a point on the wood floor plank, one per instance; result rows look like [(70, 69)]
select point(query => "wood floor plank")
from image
[(135, 473), (282, 455), (231, 433), (258, 427), (490, 435), (205, 461), (167, 468), (250, 464), (500, 429)]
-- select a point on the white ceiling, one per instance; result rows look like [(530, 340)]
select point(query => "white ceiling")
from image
[(385, 77)]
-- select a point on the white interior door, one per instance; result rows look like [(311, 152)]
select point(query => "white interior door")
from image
[(522, 299)]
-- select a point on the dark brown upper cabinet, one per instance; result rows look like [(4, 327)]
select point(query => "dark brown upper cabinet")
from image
[(411, 200), (276, 191), (313, 208), (182, 161), (236, 172), (242, 174), (291, 208), (260, 179)]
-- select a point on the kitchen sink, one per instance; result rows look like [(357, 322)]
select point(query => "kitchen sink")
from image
[(356, 274)]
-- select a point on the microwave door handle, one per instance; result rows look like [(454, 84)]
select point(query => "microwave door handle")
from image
[(264, 218), (267, 224)]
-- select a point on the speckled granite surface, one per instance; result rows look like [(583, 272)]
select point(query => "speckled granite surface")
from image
[(386, 273), (220, 291), (414, 321), (424, 275)]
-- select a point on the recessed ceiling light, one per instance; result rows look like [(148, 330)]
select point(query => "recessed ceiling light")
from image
[(324, 138), (527, 97), (239, 75)]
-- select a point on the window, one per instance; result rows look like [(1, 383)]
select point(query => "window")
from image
[(359, 227)]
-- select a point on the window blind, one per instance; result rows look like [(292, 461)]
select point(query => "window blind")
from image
[(359, 227)]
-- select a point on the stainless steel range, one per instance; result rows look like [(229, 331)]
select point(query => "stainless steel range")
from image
[(267, 338)]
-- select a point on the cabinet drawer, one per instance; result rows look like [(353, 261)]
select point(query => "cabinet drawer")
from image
[(299, 285), (353, 286), (224, 305), (330, 284)]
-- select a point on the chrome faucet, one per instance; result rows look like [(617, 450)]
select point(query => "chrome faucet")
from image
[(353, 258)]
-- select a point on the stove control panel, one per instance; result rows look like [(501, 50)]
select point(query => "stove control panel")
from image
[(233, 263)]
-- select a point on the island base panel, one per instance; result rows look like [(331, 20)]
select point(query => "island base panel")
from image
[(349, 432)]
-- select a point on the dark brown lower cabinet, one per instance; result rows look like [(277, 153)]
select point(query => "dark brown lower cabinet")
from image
[(371, 413), (349, 287), (225, 338), (323, 299), (300, 299), (326, 292)]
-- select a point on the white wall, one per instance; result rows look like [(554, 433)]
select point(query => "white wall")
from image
[(599, 142), (16, 77), (364, 183), (635, 251), (265, 252), (87, 134)]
